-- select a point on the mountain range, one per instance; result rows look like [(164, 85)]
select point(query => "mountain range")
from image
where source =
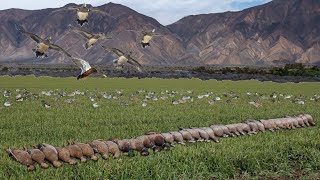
[(278, 32)]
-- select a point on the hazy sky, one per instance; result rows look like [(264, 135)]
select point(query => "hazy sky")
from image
[(165, 11)]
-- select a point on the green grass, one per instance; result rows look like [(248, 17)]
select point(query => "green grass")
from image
[(279, 155)]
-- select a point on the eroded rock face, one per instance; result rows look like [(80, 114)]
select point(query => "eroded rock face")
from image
[(278, 32)]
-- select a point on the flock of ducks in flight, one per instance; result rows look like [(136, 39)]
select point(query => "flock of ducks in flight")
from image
[(155, 141), (45, 44)]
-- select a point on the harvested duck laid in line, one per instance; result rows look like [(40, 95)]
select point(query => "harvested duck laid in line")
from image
[(169, 138), (43, 44), (137, 144), (178, 137), (76, 152), (101, 148), (51, 154), (123, 58), (87, 151), (38, 156), (22, 157), (187, 136), (211, 134), (64, 155), (91, 38), (158, 140), (221, 131), (203, 134), (151, 140), (113, 149)]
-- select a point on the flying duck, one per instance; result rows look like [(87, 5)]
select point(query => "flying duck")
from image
[(43, 44), (123, 58), (86, 69), (92, 38), (146, 37), (83, 12)]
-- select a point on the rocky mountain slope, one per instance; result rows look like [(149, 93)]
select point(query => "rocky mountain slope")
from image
[(282, 31)]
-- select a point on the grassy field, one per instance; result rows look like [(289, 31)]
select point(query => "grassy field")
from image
[(285, 154)]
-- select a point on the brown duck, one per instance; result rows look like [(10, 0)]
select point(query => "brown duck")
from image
[(38, 156), (177, 137), (64, 155), (158, 140), (22, 157), (83, 12), (86, 69), (101, 148), (113, 149), (91, 38), (187, 136), (137, 144), (210, 133), (50, 153), (43, 44), (76, 152), (87, 151), (169, 138)]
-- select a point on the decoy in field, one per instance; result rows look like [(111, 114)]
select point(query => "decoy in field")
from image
[(83, 12), (123, 58), (43, 44), (7, 104), (91, 38), (45, 104), (146, 38), (86, 69), (6, 94)]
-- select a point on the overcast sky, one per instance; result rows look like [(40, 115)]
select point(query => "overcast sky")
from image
[(165, 11)]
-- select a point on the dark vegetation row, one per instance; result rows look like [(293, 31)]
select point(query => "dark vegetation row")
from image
[(287, 73)]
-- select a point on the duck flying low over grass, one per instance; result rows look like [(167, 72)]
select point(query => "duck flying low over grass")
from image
[(146, 37), (123, 58), (43, 44), (83, 12), (86, 69), (91, 38)]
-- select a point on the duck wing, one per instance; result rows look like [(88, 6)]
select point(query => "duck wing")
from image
[(116, 51), (82, 64), (35, 37), (83, 33), (58, 48), (66, 8), (135, 63), (98, 11)]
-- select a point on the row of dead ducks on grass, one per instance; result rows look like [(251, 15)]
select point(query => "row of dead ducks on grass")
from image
[(44, 44), (43, 153)]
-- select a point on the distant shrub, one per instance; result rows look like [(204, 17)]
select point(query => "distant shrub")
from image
[(5, 69)]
